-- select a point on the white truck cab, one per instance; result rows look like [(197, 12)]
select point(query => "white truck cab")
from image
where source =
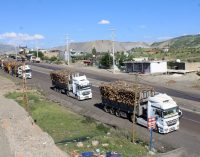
[(80, 87), (164, 109), (27, 72)]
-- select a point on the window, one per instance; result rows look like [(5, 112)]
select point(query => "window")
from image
[(158, 112)]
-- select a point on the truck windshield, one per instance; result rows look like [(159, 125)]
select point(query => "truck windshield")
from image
[(169, 112), (28, 71), (84, 87)]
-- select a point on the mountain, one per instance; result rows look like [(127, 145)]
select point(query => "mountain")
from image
[(102, 46), (5, 48), (189, 41)]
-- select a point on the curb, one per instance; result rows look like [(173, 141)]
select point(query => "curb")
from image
[(179, 152)]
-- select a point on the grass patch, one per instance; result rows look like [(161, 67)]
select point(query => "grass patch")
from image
[(67, 128)]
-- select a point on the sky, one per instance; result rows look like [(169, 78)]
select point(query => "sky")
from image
[(45, 23)]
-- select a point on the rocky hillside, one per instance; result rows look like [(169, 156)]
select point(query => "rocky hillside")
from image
[(103, 46), (4, 48), (179, 42)]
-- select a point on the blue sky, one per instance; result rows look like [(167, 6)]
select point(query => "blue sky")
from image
[(45, 22)]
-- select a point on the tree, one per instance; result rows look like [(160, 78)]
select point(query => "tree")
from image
[(40, 54), (106, 61), (120, 58), (94, 51), (88, 56), (53, 58)]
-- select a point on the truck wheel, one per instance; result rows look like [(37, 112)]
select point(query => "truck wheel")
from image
[(131, 118), (106, 109), (112, 111), (117, 113), (157, 129)]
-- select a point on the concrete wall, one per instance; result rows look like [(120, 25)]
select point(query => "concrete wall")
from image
[(158, 67), (195, 66)]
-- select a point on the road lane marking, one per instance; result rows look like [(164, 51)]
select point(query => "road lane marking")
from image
[(41, 71)]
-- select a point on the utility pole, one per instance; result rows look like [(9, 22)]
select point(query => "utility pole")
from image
[(136, 101), (37, 52), (134, 111), (36, 45), (16, 52), (25, 96), (113, 47), (67, 49)]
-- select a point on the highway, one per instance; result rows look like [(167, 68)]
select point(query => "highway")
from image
[(187, 136), (110, 78)]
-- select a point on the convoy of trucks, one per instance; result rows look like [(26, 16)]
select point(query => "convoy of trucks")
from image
[(16, 68), (72, 84), (119, 98)]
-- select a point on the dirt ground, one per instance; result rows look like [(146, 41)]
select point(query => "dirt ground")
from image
[(19, 135)]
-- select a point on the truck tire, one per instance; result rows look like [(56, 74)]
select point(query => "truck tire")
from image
[(157, 129), (106, 109), (117, 113), (131, 118), (112, 111)]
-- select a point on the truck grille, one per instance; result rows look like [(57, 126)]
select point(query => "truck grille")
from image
[(86, 93), (171, 122)]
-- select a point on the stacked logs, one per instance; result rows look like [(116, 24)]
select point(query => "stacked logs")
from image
[(14, 66), (61, 76), (11, 65), (123, 92)]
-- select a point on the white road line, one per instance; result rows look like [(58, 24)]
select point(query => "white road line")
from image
[(41, 71), (191, 120)]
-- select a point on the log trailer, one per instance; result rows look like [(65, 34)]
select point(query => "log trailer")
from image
[(148, 104), (16, 68)]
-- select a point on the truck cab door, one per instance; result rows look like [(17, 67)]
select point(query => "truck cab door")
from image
[(74, 88)]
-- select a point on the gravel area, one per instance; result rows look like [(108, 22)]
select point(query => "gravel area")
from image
[(19, 135)]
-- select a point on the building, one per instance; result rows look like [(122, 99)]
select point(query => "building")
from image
[(52, 53), (187, 66), (146, 67)]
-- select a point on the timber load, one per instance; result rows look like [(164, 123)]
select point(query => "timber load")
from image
[(61, 76), (11, 65), (125, 92)]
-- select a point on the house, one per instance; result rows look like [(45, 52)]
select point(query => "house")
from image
[(187, 66), (52, 53), (146, 67)]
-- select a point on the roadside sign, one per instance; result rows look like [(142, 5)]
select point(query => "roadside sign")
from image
[(151, 126), (151, 123)]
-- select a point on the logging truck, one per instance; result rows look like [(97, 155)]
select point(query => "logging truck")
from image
[(75, 86), (24, 71), (16, 68), (148, 104)]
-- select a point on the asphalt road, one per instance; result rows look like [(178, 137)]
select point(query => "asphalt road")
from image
[(187, 136), (100, 77)]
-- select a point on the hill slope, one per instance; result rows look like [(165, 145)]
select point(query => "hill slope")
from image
[(180, 42), (5, 48), (102, 46)]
